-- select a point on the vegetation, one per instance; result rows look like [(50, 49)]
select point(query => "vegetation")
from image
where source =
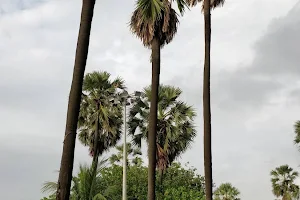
[(226, 192), (180, 183), (175, 129), (157, 117), (155, 23), (86, 185), (297, 132), (100, 121), (283, 183)]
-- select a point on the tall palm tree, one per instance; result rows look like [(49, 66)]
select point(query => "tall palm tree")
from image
[(226, 192), (155, 23), (85, 185), (67, 159), (207, 5), (283, 183), (100, 120), (175, 129)]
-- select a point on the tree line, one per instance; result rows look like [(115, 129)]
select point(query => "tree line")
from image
[(100, 127)]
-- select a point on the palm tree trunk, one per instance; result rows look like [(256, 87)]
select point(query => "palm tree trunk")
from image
[(66, 168), (96, 153), (153, 117), (206, 104)]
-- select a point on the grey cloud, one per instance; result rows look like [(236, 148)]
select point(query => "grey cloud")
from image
[(8, 6), (24, 167), (275, 63)]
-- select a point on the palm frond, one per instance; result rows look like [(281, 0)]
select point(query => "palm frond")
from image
[(49, 187), (155, 18), (98, 91), (213, 3), (175, 124)]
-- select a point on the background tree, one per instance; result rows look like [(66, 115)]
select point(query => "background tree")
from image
[(179, 183), (297, 132), (283, 183), (133, 155), (67, 159), (226, 192), (207, 5), (100, 121), (155, 23), (175, 129)]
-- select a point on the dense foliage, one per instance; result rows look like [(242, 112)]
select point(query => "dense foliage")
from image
[(179, 183)]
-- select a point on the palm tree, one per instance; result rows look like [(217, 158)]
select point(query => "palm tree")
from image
[(85, 185), (175, 129), (100, 121), (155, 23), (297, 132), (283, 185), (67, 159), (226, 192), (207, 5)]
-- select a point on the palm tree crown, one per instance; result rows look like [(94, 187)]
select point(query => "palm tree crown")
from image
[(213, 3), (97, 105), (283, 185), (155, 18), (226, 192), (175, 130), (297, 132)]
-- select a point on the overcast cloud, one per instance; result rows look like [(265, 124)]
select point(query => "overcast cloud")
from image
[(255, 85)]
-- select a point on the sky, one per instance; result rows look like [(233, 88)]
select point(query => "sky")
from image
[(255, 85)]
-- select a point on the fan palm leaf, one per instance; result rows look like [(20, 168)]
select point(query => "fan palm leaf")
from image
[(175, 130), (97, 105), (283, 185), (226, 192)]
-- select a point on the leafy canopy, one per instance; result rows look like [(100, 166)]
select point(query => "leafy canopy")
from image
[(156, 18), (97, 103), (175, 128), (213, 3), (226, 192), (283, 185)]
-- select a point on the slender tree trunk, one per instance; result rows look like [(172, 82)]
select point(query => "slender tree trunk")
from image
[(153, 117), (96, 153), (206, 104), (66, 168)]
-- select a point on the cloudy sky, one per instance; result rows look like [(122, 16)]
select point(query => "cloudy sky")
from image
[(255, 85)]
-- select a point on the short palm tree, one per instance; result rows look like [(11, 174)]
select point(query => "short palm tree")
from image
[(155, 23), (85, 185), (175, 129), (207, 5), (100, 120), (226, 192), (283, 183), (67, 158)]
